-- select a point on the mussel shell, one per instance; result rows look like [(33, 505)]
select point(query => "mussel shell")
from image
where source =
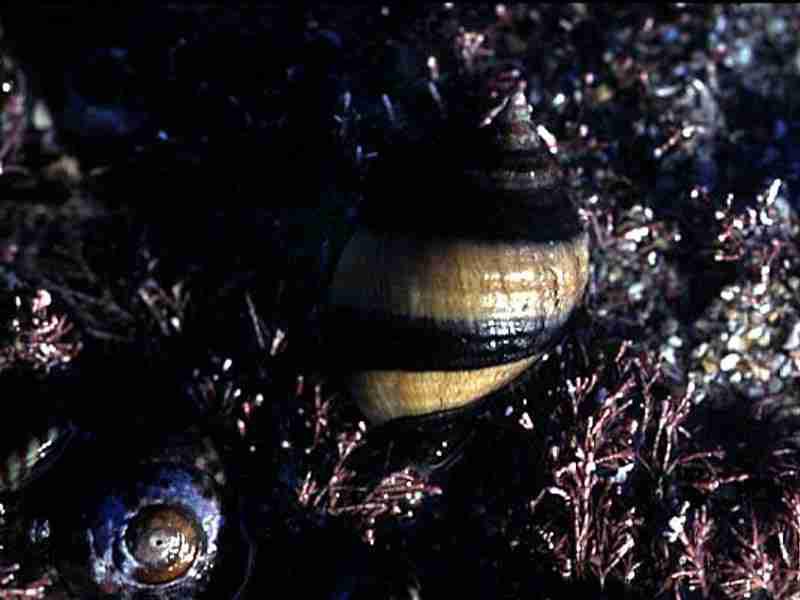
[(26, 457), (34, 432)]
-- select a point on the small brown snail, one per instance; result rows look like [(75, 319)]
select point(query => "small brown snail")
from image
[(446, 296)]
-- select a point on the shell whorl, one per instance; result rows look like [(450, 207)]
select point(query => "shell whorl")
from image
[(514, 158), (512, 126), (447, 295)]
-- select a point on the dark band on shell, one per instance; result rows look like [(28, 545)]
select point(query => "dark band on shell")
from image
[(469, 305), (447, 295)]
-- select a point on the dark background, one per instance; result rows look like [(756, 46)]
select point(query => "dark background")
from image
[(206, 137)]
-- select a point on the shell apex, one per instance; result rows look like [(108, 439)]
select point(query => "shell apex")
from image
[(513, 129)]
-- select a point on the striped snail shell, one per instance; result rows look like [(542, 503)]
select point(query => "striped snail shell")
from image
[(448, 292)]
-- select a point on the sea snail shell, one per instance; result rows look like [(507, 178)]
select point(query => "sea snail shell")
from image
[(25, 454), (443, 297)]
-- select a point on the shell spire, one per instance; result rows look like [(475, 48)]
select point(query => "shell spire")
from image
[(512, 158), (514, 130)]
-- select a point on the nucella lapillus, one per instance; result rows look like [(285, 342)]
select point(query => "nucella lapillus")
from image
[(450, 295)]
